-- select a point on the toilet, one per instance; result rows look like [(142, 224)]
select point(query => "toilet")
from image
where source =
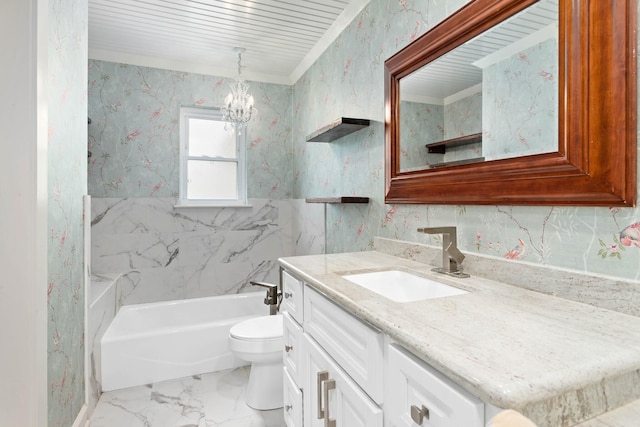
[(259, 341)]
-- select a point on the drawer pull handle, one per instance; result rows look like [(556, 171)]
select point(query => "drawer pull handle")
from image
[(328, 385), (288, 407), (288, 295), (288, 348), (419, 414), (322, 376)]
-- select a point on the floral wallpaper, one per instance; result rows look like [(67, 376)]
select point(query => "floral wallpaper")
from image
[(134, 134), (348, 80), (66, 185), (420, 124), (517, 93), (463, 117)]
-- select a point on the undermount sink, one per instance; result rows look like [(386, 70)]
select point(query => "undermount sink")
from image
[(400, 286)]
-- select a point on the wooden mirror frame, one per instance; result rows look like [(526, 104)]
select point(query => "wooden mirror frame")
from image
[(595, 164)]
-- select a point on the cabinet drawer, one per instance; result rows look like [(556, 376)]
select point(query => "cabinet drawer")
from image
[(411, 382), (356, 347), (292, 401), (292, 301), (292, 337)]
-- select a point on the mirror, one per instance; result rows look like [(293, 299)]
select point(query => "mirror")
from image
[(454, 109), (516, 102)]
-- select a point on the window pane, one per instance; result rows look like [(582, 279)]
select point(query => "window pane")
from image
[(212, 180), (208, 138)]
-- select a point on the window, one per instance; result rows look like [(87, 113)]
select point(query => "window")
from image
[(212, 160)]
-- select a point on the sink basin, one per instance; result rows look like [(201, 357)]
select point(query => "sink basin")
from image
[(401, 286)]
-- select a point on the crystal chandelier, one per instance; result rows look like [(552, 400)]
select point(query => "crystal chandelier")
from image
[(238, 105)]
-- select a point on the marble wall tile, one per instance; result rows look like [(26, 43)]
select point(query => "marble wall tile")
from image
[(308, 221), (166, 253)]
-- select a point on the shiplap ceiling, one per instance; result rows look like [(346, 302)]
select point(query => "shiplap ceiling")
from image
[(459, 72), (282, 38)]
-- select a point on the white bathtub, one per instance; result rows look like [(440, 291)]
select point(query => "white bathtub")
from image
[(153, 342)]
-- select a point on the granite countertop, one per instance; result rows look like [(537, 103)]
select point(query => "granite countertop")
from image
[(557, 361)]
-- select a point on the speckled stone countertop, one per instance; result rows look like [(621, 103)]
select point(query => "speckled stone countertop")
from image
[(557, 361)]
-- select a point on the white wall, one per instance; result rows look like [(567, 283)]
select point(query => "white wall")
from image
[(23, 215)]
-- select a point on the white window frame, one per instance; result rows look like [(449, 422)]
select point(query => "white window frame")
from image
[(210, 113)]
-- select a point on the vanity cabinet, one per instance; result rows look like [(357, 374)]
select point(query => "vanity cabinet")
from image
[(342, 372)]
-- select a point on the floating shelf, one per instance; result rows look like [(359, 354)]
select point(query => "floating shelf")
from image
[(440, 147), (457, 162), (343, 199), (337, 129)]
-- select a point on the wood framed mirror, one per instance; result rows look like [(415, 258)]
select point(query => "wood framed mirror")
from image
[(595, 160)]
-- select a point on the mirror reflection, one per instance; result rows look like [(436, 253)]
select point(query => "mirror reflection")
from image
[(494, 97)]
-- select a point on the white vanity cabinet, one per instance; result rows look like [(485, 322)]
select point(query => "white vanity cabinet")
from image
[(341, 372)]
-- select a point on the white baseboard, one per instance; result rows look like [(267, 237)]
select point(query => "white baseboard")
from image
[(81, 419)]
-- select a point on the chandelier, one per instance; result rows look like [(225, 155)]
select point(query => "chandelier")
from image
[(238, 105)]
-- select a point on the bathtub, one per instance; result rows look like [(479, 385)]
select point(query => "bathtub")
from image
[(153, 342)]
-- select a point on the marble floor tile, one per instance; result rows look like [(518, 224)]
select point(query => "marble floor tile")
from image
[(209, 400)]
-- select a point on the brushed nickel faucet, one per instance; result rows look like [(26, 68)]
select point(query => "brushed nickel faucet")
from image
[(273, 298), (451, 256)]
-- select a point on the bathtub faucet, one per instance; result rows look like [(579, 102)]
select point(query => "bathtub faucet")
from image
[(273, 298)]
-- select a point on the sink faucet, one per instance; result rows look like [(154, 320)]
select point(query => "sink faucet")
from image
[(451, 255), (273, 298)]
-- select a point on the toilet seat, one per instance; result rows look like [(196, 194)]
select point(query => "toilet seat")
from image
[(263, 328)]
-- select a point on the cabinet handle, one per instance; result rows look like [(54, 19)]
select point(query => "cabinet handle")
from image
[(288, 348), (287, 295), (321, 377), (288, 407), (419, 414), (328, 385)]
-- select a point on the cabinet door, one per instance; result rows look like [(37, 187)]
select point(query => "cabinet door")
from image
[(329, 393), (292, 401), (418, 395), (292, 337), (355, 346)]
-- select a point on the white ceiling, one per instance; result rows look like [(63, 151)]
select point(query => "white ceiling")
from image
[(282, 38)]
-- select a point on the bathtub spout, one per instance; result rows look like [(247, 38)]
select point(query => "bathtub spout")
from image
[(273, 296)]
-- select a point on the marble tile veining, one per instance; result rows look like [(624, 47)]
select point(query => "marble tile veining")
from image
[(207, 400), (165, 253)]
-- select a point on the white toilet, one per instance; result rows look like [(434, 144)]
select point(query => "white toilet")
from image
[(259, 341)]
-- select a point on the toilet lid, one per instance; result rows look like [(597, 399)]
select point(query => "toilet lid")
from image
[(258, 328)]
